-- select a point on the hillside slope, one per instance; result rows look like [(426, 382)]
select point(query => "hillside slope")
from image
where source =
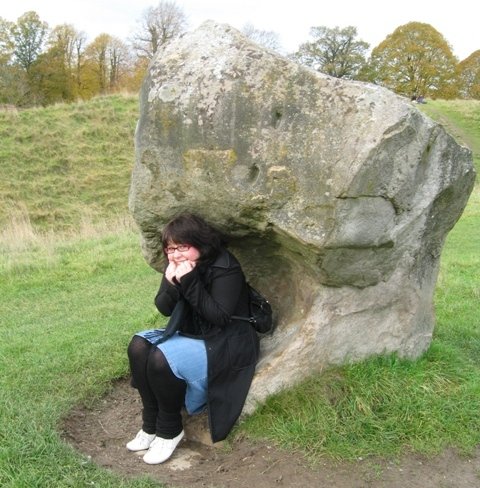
[(67, 162), (461, 118)]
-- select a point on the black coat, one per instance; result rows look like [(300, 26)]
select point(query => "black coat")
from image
[(213, 293)]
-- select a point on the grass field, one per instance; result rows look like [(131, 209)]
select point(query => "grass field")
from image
[(69, 304), (65, 164)]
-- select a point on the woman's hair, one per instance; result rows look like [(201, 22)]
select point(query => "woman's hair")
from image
[(188, 228)]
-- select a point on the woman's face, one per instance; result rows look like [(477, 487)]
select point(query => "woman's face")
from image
[(178, 253)]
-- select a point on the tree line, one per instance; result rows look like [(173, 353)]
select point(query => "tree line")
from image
[(40, 65)]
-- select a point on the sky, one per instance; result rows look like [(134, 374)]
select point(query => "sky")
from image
[(291, 20)]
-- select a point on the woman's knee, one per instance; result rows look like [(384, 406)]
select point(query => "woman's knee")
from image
[(138, 348), (169, 389), (157, 363)]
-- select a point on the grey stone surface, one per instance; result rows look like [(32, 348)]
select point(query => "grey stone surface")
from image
[(338, 195)]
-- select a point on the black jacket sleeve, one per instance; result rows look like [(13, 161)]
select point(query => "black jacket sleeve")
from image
[(167, 297), (217, 303)]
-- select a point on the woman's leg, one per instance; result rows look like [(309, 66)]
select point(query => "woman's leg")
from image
[(169, 392), (139, 351)]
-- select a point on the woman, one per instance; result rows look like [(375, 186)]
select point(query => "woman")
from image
[(210, 361)]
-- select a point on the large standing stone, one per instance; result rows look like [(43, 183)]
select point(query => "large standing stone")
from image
[(338, 195)]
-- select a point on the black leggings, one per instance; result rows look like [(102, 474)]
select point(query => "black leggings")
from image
[(162, 393)]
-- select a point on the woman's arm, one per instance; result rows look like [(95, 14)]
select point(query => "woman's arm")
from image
[(219, 303), (167, 297)]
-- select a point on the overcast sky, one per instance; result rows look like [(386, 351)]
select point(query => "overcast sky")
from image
[(291, 20)]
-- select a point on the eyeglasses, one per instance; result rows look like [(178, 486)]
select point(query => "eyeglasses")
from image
[(180, 248)]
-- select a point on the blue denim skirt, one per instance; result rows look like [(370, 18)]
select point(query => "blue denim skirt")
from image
[(187, 358)]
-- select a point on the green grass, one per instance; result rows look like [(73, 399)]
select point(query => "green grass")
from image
[(63, 163), (69, 306), (68, 311), (461, 118)]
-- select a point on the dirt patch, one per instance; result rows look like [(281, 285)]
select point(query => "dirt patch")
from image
[(103, 431)]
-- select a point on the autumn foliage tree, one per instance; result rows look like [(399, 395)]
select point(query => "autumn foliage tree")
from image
[(469, 76), (40, 65), (60, 67), (22, 44), (106, 62), (415, 60), (8, 75)]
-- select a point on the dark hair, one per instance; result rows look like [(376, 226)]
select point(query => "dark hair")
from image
[(188, 228)]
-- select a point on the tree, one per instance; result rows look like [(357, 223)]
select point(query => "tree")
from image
[(59, 66), (25, 39), (97, 64), (13, 85), (79, 47), (107, 59), (119, 61), (28, 35), (469, 76), (133, 79), (62, 42), (6, 41), (415, 60), (333, 51), (158, 26), (8, 93), (268, 39)]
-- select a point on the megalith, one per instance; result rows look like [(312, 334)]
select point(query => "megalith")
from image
[(337, 195)]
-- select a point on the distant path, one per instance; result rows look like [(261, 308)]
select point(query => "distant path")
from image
[(450, 126)]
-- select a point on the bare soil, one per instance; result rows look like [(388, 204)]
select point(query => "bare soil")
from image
[(102, 432)]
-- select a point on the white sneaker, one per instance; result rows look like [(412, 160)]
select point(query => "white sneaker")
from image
[(161, 449), (141, 442)]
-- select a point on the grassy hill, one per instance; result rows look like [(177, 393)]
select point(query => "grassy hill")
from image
[(461, 118), (63, 164)]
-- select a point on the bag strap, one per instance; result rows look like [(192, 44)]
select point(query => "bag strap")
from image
[(250, 317), (174, 322), (245, 319)]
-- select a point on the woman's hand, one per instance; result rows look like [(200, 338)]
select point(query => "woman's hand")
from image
[(175, 270), (171, 271), (183, 268)]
